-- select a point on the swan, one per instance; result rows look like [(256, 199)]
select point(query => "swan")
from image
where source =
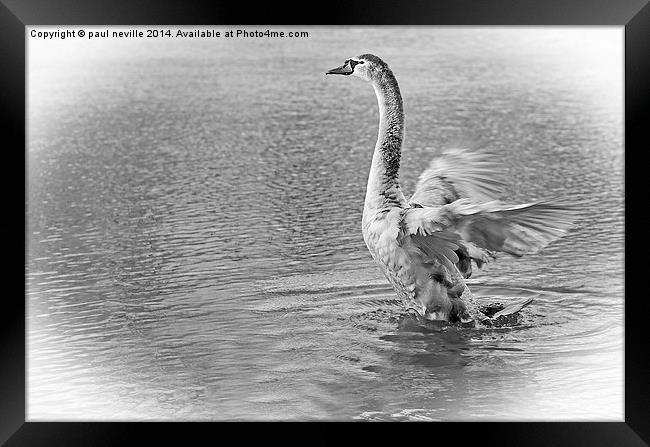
[(425, 245)]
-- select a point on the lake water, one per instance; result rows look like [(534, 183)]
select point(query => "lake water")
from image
[(194, 227)]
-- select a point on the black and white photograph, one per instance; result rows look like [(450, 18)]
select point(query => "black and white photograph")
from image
[(324, 223)]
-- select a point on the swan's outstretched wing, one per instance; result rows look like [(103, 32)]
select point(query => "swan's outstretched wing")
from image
[(517, 230), (458, 173)]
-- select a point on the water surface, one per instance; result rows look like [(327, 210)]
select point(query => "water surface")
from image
[(194, 242)]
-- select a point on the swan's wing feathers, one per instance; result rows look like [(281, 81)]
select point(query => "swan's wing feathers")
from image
[(458, 173), (431, 237), (516, 230), (441, 247), (492, 226)]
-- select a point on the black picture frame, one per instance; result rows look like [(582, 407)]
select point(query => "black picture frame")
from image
[(15, 15)]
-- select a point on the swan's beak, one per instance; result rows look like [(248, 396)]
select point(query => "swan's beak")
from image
[(344, 69)]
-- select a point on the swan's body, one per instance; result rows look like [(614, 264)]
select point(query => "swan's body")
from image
[(425, 245)]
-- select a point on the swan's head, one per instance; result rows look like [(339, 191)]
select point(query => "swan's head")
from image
[(367, 67)]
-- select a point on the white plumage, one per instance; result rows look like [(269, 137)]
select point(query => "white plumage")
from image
[(426, 246)]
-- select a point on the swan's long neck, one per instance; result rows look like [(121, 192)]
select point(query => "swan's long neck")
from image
[(383, 184)]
